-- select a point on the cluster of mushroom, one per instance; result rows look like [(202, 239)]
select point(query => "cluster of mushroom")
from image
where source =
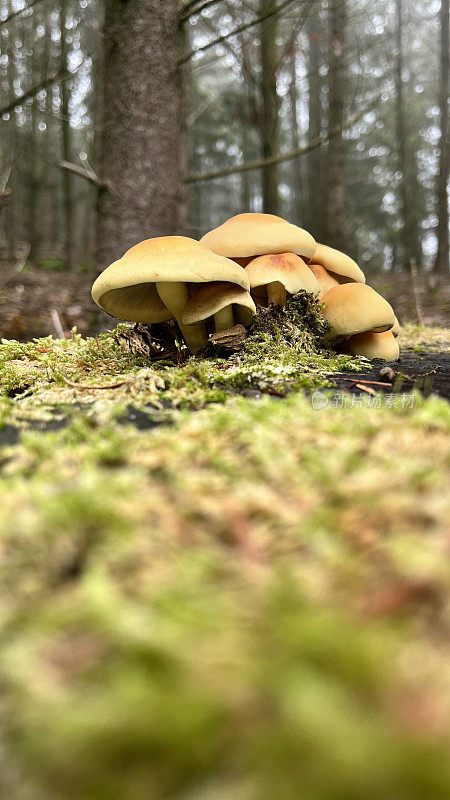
[(251, 259)]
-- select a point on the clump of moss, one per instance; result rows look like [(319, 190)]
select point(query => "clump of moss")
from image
[(284, 350), (299, 324)]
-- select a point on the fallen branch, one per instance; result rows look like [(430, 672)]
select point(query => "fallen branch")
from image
[(82, 172), (318, 141), (94, 386), (235, 31)]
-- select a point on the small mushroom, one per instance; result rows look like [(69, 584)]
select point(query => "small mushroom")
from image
[(219, 300), (248, 235), (373, 345), (338, 263), (352, 308), (324, 278), (280, 274), (153, 282)]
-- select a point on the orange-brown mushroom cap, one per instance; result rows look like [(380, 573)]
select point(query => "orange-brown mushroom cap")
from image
[(335, 261), (325, 280), (285, 268)]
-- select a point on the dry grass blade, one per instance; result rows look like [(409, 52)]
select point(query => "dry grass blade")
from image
[(93, 386)]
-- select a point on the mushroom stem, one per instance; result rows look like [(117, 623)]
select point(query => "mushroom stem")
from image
[(276, 293), (224, 318), (175, 296)]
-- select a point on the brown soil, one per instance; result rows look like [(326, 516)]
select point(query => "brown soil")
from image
[(427, 372)]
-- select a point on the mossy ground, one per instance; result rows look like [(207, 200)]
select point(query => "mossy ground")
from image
[(252, 602)]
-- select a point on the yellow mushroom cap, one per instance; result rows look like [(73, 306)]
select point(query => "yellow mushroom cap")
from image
[(285, 268), (374, 345), (352, 308), (212, 298), (127, 288), (259, 234), (325, 280), (395, 330), (335, 261)]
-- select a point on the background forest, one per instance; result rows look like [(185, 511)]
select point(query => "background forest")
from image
[(144, 118)]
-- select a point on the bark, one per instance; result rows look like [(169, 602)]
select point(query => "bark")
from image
[(442, 255), (317, 207), (270, 108), (410, 244), (336, 148), (69, 209), (141, 140)]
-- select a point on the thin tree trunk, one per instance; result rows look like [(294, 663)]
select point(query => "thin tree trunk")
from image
[(442, 255), (270, 107), (336, 147), (317, 208), (69, 209), (410, 244), (141, 126), (8, 215), (297, 183)]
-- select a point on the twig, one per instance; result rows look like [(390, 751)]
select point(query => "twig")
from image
[(318, 141), (368, 383), (55, 78), (415, 281), (189, 11), (15, 14), (94, 386), (82, 172), (364, 388), (235, 31), (57, 324)]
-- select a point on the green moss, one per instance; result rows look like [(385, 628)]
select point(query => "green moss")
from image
[(283, 353), (250, 602), (218, 608)]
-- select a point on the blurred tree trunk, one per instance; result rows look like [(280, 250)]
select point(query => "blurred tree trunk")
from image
[(69, 208), (410, 243), (336, 147), (317, 208), (270, 107), (141, 126), (442, 255), (297, 183), (33, 188), (8, 216)]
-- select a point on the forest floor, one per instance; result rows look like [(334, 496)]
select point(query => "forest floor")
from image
[(28, 298), (213, 588)]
